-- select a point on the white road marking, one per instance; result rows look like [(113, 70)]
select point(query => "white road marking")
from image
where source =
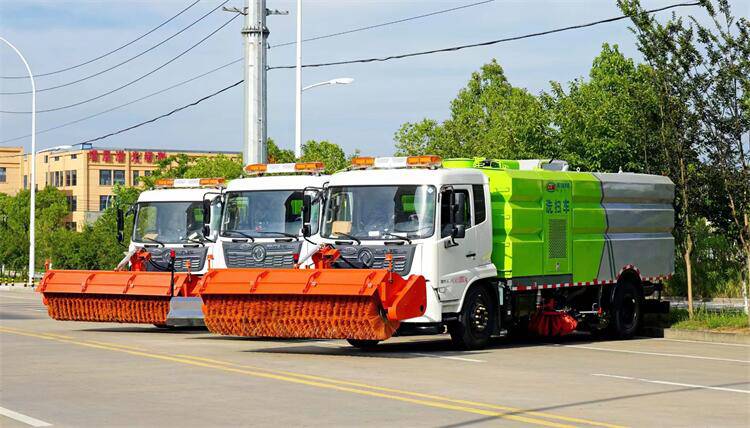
[(28, 420), (663, 382), (700, 341), (471, 360), (658, 354)]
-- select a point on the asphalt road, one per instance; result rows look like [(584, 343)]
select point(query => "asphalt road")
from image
[(87, 375)]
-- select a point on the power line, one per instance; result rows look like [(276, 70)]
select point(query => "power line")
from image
[(110, 52), (385, 24), (73, 122), (123, 62), (474, 45), (132, 81), (340, 33), (194, 103), (395, 57), (526, 36)]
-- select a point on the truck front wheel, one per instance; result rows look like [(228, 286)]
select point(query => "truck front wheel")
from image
[(626, 311), (474, 326)]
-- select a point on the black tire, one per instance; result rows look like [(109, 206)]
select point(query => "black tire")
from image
[(363, 344), (626, 311), (476, 320)]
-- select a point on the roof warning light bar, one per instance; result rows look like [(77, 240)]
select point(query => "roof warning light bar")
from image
[(189, 182), (285, 168), (427, 161)]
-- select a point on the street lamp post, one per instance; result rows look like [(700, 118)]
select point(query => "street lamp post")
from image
[(298, 112), (32, 202)]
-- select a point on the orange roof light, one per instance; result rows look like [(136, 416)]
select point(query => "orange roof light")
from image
[(428, 161), (212, 182), (363, 162), (256, 168), (164, 182), (309, 166)]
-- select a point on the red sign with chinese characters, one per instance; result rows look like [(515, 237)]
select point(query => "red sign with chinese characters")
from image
[(135, 157), (161, 156), (148, 157), (93, 156), (120, 156), (107, 156)]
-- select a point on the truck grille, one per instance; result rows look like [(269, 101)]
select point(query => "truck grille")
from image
[(239, 260), (262, 255), (196, 257), (373, 257)]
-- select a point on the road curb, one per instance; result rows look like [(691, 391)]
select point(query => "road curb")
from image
[(698, 335)]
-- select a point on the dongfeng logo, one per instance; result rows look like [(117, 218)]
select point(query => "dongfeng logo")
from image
[(366, 257), (258, 253), (551, 187)]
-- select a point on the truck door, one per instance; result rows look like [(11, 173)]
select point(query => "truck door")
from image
[(456, 263), (557, 227)]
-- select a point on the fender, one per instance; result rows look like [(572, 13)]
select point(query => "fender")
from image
[(628, 272), (485, 272)]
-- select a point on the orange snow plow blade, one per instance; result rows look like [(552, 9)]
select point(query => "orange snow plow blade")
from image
[(112, 296), (364, 304)]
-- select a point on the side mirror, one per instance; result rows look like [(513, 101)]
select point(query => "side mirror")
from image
[(306, 214), (120, 225), (206, 211), (459, 231), (206, 229)]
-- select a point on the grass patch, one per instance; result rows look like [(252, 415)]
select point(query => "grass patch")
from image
[(724, 321)]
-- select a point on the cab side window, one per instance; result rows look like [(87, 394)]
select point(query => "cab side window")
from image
[(462, 217)]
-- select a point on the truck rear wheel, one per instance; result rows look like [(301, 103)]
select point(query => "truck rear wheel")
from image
[(626, 311), (475, 322)]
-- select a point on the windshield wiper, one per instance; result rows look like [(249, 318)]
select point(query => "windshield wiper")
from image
[(296, 238), (197, 241), (346, 235), (237, 232), (154, 241), (403, 238)]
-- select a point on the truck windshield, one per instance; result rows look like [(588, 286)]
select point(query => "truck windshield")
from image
[(167, 222), (263, 213), (375, 212)]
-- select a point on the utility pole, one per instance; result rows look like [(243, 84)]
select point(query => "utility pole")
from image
[(255, 119), (255, 34), (298, 87)]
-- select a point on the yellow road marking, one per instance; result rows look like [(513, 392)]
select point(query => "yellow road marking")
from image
[(48, 334), (117, 345), (414, 394), (424, 400)]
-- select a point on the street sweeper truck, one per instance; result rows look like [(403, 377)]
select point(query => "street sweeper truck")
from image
[(175, 226), (474, 247), (261, 226)]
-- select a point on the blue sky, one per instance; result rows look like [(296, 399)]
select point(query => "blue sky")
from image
[(363, 115)]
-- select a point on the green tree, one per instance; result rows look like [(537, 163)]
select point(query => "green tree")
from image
[(51, 211), (329, 153), (489, 117), (670, 50), (607, 123), (278, 155)]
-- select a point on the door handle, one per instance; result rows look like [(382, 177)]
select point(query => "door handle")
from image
[(471, 255)]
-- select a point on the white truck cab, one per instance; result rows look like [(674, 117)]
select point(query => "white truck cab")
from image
[(172, 217), (433, 221), (261, 224)]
